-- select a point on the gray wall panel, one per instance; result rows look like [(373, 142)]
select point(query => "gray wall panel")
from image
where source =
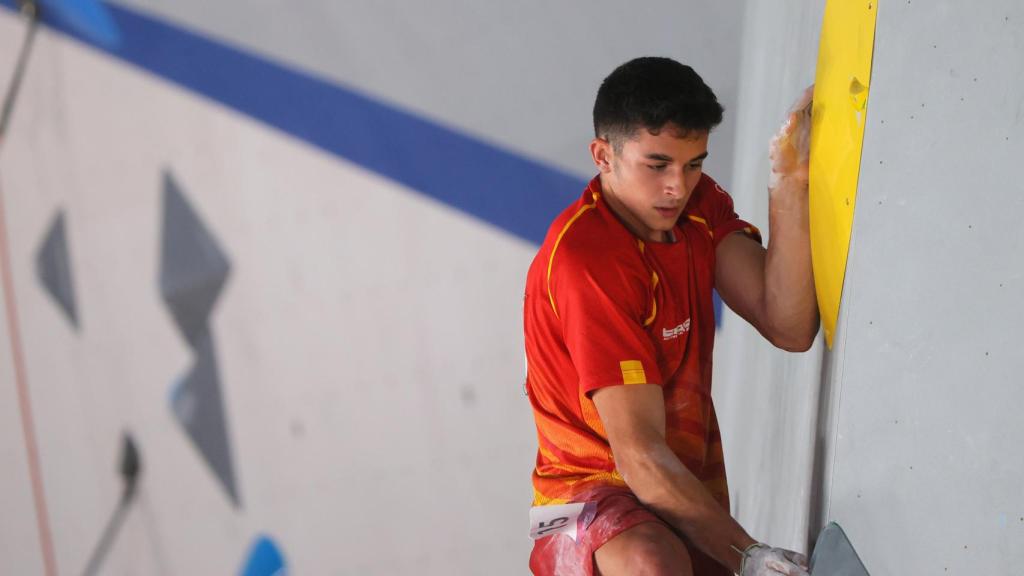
[(927, 451), (767, 398)]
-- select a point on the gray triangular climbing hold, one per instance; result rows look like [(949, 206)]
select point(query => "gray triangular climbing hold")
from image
[(834, 554), (193, 268), (198, 405), (53, 266)]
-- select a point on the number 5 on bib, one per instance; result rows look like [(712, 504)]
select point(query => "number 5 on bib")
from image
[(560, 519)]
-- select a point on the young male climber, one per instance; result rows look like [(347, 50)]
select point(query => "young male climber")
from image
[(619, 327)]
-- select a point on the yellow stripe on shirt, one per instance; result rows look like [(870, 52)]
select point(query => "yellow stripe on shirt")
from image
[(632, 372), (551, 259)]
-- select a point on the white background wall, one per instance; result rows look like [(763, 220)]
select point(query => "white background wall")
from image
[(767, 398), (369, 339)]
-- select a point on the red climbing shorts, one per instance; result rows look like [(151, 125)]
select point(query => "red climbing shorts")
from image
[(617, 510)]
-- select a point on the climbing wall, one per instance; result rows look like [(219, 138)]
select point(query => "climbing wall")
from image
[(284, 246), (920, 436)]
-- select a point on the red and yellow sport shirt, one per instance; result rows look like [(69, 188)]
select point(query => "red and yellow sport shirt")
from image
[(606, 308)]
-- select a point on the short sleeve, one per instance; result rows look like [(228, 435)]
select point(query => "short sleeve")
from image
[(602, 304), (716, 207)]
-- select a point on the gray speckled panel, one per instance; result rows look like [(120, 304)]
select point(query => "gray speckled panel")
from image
[(53, 267), (928, 458)]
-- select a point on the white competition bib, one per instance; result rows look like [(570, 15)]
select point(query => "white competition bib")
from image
[(560, 519)]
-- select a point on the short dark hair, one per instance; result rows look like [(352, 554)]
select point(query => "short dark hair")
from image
[(651, 92)]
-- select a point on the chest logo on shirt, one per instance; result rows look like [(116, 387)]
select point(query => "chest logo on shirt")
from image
[(673, 333)]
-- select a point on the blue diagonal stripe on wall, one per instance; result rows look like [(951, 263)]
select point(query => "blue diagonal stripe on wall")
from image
[(508, 190)]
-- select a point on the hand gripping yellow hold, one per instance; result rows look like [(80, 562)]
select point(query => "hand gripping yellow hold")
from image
[(841, 89)]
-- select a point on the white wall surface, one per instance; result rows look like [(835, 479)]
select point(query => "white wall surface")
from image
[(19, 538), (369, 340), (767, 398)]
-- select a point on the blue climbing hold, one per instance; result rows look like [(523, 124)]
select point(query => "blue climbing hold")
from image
[(265, 559)]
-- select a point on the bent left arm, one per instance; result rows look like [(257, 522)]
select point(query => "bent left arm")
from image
[(773, 289)]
